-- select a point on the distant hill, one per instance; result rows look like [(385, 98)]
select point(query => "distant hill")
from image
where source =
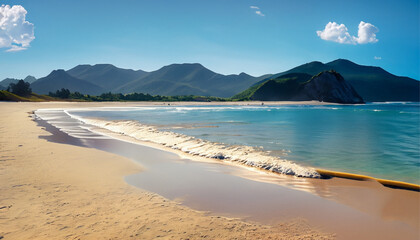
[(6, 82), (30, 79), (327, 86), (106, 76), (374, 84), (33, 97), (189, 79), (58, 79)]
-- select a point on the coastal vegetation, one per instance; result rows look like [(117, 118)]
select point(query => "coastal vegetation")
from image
[(20, 88), (67, 95), (32, 97), (20, 91)]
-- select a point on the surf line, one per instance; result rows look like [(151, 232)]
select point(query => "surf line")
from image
[(385, 182)]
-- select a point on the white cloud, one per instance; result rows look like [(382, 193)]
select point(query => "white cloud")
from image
[(339, 33), (335, 32), (377, 58), (367, 33), (258, 12), (15, 32), (15, 48)]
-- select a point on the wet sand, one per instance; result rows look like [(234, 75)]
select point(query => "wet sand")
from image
[(281, 206)]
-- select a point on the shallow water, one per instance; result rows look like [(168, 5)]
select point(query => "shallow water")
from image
[(336, 205), (376, 139)]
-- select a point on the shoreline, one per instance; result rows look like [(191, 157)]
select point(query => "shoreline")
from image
[(60, 191), (222, 228), (323, 172), (351, 189)]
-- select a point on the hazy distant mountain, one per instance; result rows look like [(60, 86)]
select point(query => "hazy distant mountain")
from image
[(106, 76), (5, 82), (327, 86), (58, 79), (30, 79), (372, 83), (189, 79)]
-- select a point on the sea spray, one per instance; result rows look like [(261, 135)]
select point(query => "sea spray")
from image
[(245, 155)]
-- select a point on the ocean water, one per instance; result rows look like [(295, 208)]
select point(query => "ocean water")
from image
[(376, 139)]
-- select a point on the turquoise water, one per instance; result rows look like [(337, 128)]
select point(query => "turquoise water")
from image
[(376, 139)]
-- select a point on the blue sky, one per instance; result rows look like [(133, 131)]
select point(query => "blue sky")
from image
[(225, 36)]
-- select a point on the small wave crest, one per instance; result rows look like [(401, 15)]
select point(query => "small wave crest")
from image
[(246, 155)]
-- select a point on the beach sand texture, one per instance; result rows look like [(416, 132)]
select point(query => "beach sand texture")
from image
[(59, 191)]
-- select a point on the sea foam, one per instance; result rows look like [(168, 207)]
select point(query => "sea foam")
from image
[(246, 155)]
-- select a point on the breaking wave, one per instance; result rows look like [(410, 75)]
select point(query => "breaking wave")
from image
[(246, 155)]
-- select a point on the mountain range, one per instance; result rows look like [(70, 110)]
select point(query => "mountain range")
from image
[(6, 82), (189, 79), (59, 79), (372, 83), (171, 80)]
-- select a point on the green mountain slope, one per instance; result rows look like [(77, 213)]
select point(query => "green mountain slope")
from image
[(328, 86), (372, 83), (278, 89)]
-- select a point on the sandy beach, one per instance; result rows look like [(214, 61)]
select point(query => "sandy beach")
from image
[(190, 120), (62, 191), (59, 191)]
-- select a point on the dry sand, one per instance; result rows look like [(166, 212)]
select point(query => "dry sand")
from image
[(59, 191)]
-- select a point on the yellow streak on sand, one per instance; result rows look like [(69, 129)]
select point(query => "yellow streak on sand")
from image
[(60, 191), (389, 183)]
